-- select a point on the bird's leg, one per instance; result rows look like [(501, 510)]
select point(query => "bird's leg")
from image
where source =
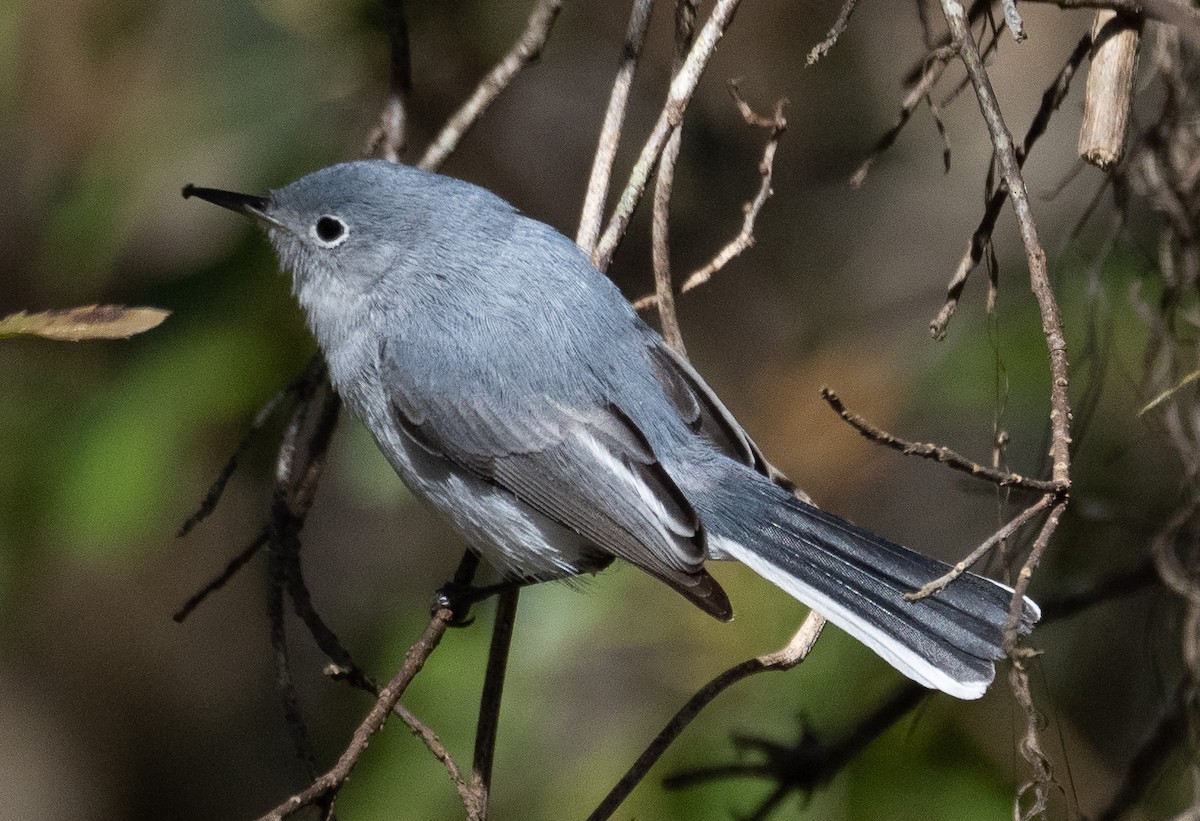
[(459, 598), (459, 594)]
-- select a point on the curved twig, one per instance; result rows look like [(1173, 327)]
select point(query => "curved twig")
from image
[(939, 453), (528, 46)]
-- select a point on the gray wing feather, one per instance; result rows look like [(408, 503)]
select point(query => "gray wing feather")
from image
[(587, 467), (706, 414)]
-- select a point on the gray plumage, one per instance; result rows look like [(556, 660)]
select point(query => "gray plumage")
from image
[(511, 385)]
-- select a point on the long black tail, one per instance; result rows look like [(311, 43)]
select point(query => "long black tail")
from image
[(949, 640)]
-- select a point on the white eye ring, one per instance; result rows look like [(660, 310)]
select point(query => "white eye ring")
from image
[(330, 232)]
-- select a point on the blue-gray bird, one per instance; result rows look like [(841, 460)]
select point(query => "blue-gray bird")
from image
[(510, 384)]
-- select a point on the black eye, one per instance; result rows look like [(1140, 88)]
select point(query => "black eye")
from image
[(330, 229)]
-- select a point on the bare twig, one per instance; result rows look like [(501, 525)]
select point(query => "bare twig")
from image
[(296, 476), (389, 136), (357, 678), (680, 94), (592, 217), (920, 81), (231, 569), (1030, 744), (935, 66), (938, 453), (839, 26), (1060, 409), (302, 386), (1011, 527), (328, 784), (785, 658), (523, 52), (745, 238), (1039, 280), (489, 704), (284, 683), (1051, 99), (685, 25), (434, 744)]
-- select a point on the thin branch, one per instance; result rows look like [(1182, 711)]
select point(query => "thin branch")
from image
[(1012, 18), (939, 453), (302, 386), (1060, 408), (785, 658), (1030, 744), (390, 135), (1011, 527), (286, 518), (1010, 169), (745, 238), (231, 569), (685, 26), (1051, 100), (528, 46), (839, 26), (935, 65), (920, 81), (680, 94), (434, 744), (328, 784), (592, 217), (356, 677), (489, 704)]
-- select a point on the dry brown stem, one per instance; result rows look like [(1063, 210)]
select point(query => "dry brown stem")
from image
[(528, 46), (685, 27), (327, 785), (1012, 526), (1060, 410), (599, 180), (939, 453), (981, 238), (839, 26), (745, 238)]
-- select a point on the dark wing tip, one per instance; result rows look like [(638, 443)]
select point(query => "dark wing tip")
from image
[(703, 591)]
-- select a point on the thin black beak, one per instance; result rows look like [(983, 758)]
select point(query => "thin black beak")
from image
[(248, 204)]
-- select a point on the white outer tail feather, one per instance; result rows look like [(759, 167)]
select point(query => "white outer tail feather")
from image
[(903, 658)]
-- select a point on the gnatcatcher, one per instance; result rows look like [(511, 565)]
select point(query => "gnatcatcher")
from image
[(511, 385)]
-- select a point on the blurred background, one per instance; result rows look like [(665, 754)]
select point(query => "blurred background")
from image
[(110, 710)]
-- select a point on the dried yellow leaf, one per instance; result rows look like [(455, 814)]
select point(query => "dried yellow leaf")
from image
[(88, 322)]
